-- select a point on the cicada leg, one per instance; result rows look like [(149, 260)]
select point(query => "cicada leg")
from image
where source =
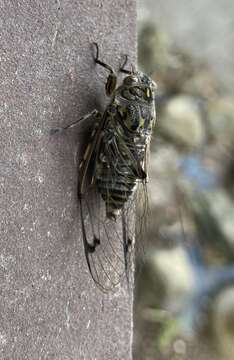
[(126, 71), (95, 113), (98, 61), (122, 67), (91, 151), (112, 78)]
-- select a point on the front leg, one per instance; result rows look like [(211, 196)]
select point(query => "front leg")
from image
[(112, 78)]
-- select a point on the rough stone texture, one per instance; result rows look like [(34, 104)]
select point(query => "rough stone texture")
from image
[(49, 306)]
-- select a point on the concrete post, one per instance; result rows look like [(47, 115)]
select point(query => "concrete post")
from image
[(49, 306)]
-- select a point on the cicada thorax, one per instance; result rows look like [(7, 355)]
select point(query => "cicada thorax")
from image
[(121, 157)]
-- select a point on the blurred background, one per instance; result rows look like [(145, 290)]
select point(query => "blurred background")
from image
[(184, 300)]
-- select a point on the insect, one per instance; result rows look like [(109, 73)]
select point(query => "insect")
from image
[(113, 165)]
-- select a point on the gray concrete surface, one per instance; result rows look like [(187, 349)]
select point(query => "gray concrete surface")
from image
[(205, 27), (49, 306)]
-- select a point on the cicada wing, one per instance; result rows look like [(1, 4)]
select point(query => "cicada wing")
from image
[(140, 203), (142, 218), (143, 210), (105, 241), (137, 209)]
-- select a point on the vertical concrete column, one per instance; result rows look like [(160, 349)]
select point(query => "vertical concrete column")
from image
[(49, 306)]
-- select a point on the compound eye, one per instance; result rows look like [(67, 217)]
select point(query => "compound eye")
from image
[(130, 80)]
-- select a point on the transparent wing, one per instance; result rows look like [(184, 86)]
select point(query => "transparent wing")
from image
[(107, 243), (137, 208), (142, 215)]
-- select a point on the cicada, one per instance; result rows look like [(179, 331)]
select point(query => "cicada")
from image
[(113, 165)]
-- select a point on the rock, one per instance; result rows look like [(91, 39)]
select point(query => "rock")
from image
[(213, 214), (181, 67), (222, 209), (220, 122), (50, 307), (202, 84), (158, 281), (229, 173), (165, 264), (174, 69), (164, 171), (153, 50), (198, 172), (223, 322), (181, 121)]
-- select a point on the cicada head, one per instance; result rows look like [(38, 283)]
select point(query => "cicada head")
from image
[(145, 80), (141, 86), (136, 96)]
